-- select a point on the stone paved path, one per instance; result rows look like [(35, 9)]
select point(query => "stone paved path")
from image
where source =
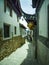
[(22, 56)]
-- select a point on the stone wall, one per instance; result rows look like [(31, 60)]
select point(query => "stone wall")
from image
[(10, 45), (43, 53)]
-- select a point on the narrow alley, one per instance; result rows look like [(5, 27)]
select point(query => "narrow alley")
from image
[(24, 32)]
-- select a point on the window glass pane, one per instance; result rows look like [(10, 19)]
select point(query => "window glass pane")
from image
[(15, 30), (6, 30)]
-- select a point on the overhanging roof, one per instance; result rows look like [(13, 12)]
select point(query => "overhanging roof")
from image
[(37, 4), (15, 4), (34, 3), (29, 18)]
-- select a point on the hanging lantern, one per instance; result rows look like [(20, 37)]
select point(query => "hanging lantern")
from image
[(31, 25)]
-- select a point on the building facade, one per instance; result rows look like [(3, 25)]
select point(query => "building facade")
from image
[(42, 33)]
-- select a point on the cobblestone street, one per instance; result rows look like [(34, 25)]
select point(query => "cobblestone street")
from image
[(22, 56)]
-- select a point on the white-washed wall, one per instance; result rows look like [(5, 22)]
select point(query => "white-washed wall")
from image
[(6, 18), (43, 19)]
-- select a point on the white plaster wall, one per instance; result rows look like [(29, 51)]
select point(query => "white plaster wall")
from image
[(43, 19), (6, 18), (22, 32)]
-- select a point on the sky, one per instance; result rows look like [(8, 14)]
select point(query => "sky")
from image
[(26, 6)]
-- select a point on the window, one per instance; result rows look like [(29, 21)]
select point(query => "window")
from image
[(6, 30), (7, 7), (15, 29)]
